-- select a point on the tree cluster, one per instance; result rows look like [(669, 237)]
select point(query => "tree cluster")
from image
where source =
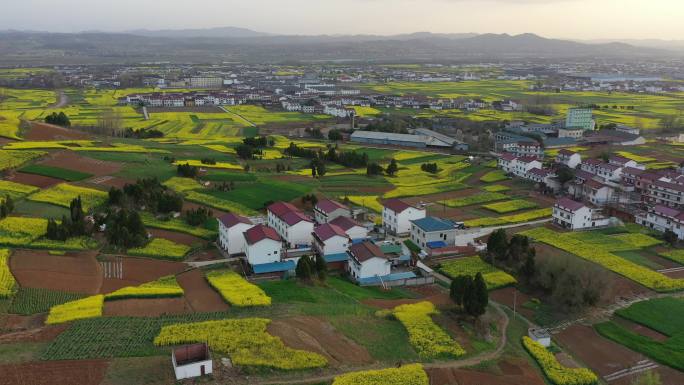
[(187, 171), (334, 135), (59, 119), (143, 133), (247, 152), (351, 159), (430, 167), (148, 193), (314, 132), (392, 168), (197, 216), (309, 268), (72, 226), (317, 167), (6, 207), (374, 169), (258, 141), (311, 198), (208, 161), (125, 229), (470, 293)]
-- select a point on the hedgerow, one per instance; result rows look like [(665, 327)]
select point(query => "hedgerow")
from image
[(555, 372), (161, 288), (429, 340), (236, 290)]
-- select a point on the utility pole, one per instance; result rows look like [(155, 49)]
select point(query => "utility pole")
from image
[(515, 300)]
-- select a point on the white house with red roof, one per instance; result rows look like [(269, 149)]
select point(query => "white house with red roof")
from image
[(666, 191), (352, 228), (366, 260), (662, 218), (573, 215), (593, 191), (523, 165), (330, 239), (569, 158), (263, 245), (544, 176), (327, 209), (231, 229), (607, 171), (291, 224), (506, 162), (397, 216), (623, 162)]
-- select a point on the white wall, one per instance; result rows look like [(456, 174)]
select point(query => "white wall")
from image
[(357, 232), (369, 268), (265, 251), (232, 239), (334, 245), (400, 223), (193, 370)]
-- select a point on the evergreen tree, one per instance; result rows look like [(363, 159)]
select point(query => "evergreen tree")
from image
[(304, 268), (529, 268), (477, 297), (392, 168), (497, 244), (321, 267), (321, 169), (458, 288)]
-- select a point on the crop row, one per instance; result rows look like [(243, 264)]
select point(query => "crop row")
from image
[(510, 206), (429, 340), (475, 199), (236, 290), (63, 193), (510, 219), (555, 372), (7, 281), (412, 374), (161, 288), (245, 340), (88, 307), (28, 300)]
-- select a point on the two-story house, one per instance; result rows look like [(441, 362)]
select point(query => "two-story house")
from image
[(433, 232), (573, 215), (291, 224), (263, 245), (397, 216), (366, 260), (231, 229), (326, 210), (330, 239)]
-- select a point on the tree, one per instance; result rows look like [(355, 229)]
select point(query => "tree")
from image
[(497, 244), (670, 237), (476, 297), (528, 268), (565, 174), (313, 168), (459, 286), (245, 151), (321, 267), (373, 169), (392, 168), (304, 268), (334, 135), (321, 169), (518, 248)]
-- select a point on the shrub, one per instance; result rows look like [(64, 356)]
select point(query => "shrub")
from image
[(245, 340), (493, 176), (412, 374), (236, 290), (88, 307), (429, 340), (557, 373)]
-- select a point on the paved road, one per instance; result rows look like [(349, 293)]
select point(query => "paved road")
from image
[(62, 101)]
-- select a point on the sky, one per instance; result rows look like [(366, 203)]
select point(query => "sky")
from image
[(572, 19)]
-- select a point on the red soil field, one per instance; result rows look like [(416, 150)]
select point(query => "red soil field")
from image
[(44, 131), (427, 293), (73, 161), (313, 334), (512, 372), (199, 295), (34, 180), (43, 334), (74, 272), (153, 307), (83, 372), (137, 271)]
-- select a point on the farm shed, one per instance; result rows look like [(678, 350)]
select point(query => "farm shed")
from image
[(191, 361), (541, 336)]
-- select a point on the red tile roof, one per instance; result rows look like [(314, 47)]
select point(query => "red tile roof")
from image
[(365, 250), (507, 156), (288, 213), (396, 205), (280, 208), (229, 220), (666, 211), (294, 217), (345, 223), (327, 231), (259, 233), (566, 152), (327, 206), (569, 204)]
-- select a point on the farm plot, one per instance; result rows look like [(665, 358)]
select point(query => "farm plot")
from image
[(162, 249), (161, 288), (20, 231), (55, 172), (28, 301), (665, 316), (510, 206), (73, 161), (554, 370), (90, 372), (493, 277), (131, 271), (253, 196), (62, 195), (177, 225), (148, 307), (7, 281), (429, 340), (412, 374), (493, 176), (510, 219), (315, 335), (13, 159), (245, 340), (599, 248), (88, 307), (506, 372), (199, 295), (73, 273), (475, 199), (236, 290), (15, 190)]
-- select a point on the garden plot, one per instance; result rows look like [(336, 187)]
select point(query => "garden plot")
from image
[(130, 271), (493, 277), (90, 372), (62, 195), (315, 335), (151, 307), (73, 161), (199, 295), (74, 272), (55, 172), (34, 180), (508, 372)]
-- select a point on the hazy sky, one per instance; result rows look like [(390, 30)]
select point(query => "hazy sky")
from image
[(581, 19)]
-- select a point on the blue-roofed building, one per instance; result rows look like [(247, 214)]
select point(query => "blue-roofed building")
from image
[(281, 267), (426, 231)]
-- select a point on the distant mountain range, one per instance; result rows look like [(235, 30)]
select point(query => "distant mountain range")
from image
[(673, 45), (240, 44)]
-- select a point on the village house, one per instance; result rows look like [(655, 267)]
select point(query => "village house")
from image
[(662, 218), (433, 232), (569, 158), (291, 224), (354, 230), (607, 171), (231, 229), (592, 191), (397, 216), (666, 191), (573, 215), (366, 260), (545, 177), (523, 165), (330, 239), (326, 210), (623, 162), (263, 245)]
